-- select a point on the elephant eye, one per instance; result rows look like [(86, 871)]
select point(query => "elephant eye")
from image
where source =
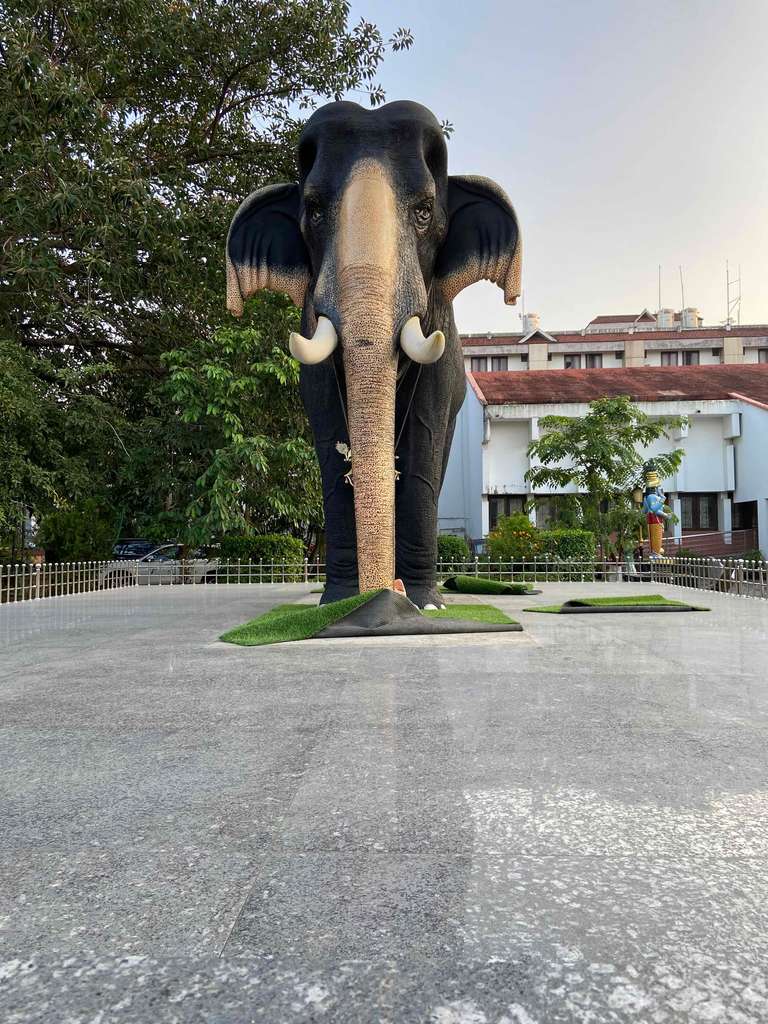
[(422, 214), (314, 212)]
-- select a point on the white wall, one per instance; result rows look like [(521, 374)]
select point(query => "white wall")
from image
[(505, 460), (752, 455), (716, 460)]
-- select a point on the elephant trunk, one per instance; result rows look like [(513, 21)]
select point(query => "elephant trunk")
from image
[(370, 367), (366, 268)]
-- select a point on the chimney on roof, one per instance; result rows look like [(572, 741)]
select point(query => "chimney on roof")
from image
[(531, 322)]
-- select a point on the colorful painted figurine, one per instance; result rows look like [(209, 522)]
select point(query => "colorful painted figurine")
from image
[(653, 506)]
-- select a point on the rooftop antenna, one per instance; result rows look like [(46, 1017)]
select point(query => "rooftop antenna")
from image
[(682, 289), (732, 296), (659, 305)]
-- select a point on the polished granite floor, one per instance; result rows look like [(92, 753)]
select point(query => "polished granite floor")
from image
[(569, 824)]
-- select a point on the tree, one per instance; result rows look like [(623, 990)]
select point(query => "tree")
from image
[(602, 455), (130, 130), (262, 472)]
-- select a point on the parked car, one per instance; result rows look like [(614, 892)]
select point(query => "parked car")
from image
[(166, 564), (133, 547)]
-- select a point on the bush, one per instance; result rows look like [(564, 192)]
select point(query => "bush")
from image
[(269, 547), (84, 533), (687, 553), (452, 549), (753, 556), (514, 539), (562, 544)]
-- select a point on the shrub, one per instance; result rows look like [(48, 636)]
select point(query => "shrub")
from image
[(452, 549), (578, 545), (269, 547), (753, 556), (514, 539), (84, 533), (687, 553)]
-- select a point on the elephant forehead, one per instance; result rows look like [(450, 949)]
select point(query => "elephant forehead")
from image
[(403, 168), (367, 224), (351, 116), (405, 135)]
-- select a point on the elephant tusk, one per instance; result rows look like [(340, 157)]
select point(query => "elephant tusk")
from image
[(419, 348), (317, 348)]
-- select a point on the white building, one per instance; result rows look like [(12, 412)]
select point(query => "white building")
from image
[(665, 338), (721, 486)]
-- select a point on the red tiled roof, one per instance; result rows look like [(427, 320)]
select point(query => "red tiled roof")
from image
[(576, 337), (641, 383), (619, 318)]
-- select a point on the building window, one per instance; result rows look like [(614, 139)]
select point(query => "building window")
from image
[(744, 515), (572, 362), (479, 364), (594, 361), (670, 358), (524, 357), (503, 505), (691, 358), (762, 355), (699, 511), (499, 363)]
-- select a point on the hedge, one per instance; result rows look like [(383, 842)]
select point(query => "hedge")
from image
[(516, 539), (562, 544), (269, 547), (452, 549)]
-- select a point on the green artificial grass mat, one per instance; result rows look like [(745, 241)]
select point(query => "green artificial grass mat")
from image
[(289, 622), (469, 612), (293, 622), (480, 585), (618, 602)]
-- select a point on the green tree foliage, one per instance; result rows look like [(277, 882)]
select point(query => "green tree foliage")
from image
[(85, 532), (242, 383), (129, 133), (602, 454)]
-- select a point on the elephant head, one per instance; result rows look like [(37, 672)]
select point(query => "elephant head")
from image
[(371, 242)]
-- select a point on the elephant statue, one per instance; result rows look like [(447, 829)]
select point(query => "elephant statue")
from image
[(374, 243)]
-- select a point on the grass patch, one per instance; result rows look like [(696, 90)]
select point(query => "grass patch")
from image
[(618, 602), (479, 585), (293, 622), (470, 612), (302, 621)]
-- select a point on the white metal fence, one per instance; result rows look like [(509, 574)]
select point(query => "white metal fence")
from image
[(22, 582)]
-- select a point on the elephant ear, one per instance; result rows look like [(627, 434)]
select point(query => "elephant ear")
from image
[(265, 248), (483, 240)]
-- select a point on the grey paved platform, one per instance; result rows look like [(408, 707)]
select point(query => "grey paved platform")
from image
[(568, 824)]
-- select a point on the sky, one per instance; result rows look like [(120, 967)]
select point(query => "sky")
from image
[(628, 134)]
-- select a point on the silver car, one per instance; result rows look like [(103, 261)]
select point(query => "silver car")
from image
[(167, 564)]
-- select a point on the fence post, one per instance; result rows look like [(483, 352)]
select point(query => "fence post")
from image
[(306, 570)]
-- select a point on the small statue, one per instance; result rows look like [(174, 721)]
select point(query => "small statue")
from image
[(654, 505)]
